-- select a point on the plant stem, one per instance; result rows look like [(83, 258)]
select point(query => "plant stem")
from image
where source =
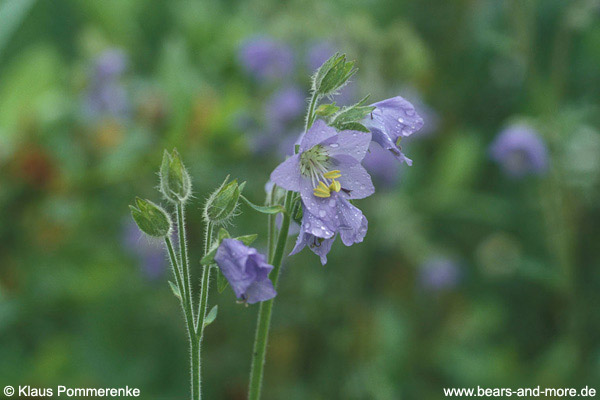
[(271, 225), (266, 308), (187, 311), (183, 254), (311, 110)]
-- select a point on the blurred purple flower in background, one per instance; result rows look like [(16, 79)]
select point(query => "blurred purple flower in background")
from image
[(149, 254), (266, 59), (520, 151), (382, 165), (319, 53), (246, 271), (106, 95), (285, 105), (439, 273)]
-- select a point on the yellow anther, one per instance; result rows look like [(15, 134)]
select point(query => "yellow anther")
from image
[(335, 185), (322, 186), (332, 174), (321, 193), (322, 190)]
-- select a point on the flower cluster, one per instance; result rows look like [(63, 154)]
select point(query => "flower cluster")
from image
[(328, 174)]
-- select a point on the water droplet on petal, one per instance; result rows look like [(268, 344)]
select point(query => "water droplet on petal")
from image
[(322, 213), (333, 145)]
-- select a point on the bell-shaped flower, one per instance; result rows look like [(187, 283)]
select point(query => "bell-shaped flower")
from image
[(246, 270), (392, 120)]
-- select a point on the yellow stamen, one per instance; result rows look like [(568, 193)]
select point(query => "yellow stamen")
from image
[(335, 185), (321, 193), (332, 174)]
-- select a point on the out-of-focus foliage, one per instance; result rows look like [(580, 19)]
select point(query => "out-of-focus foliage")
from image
[(468, 276)]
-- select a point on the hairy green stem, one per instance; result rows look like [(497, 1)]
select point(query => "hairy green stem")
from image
[(271, 225), (266, 309), (310, 118), (183, 254), (189, 317)]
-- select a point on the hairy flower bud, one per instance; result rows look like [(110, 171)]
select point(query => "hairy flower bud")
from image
[(175, 181), (151, 218), (221, 204), (332, 75)]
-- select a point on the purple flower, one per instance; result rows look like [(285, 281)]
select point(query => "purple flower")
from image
[(246, 271), (382, 165), (318, 54), (266, 59), (520, 151), (328, 162), (106, 95), (320, 232), (285, 105), (111, 64), (439, 273), (392, 120)]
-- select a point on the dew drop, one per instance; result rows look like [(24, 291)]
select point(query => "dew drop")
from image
[(322, 213), (332, 203), (401, 120), (333, 145)]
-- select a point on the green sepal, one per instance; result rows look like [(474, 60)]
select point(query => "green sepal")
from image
[(221, 204), (264, 209), (348, 118), (325, 110), (175, 182), (211, 316), (175, 290), (152, 219), (332, 75)]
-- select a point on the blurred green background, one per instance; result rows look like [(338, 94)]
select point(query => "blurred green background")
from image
[(468, 276)]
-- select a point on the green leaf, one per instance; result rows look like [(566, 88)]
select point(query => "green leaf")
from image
[(332, 75), (222, 234), (353, 126), (222, 282), (264, 209), (247, 239), (211, 316), (325, 110), (175, 290)]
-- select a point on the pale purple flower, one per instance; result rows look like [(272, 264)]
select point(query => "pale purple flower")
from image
[(382, 165), (246, 271), (266, 59), (392, 120), (318, 233), (318, 54), (439, 273), (328, 162), (520, 151)]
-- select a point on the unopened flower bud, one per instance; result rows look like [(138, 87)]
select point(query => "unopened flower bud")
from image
[(222, 203), (175, 181), (152, 219)]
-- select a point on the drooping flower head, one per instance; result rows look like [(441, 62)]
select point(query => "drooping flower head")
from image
[(520, 151), (266, 59), (439, 273), (246, 270), (392, 120)]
